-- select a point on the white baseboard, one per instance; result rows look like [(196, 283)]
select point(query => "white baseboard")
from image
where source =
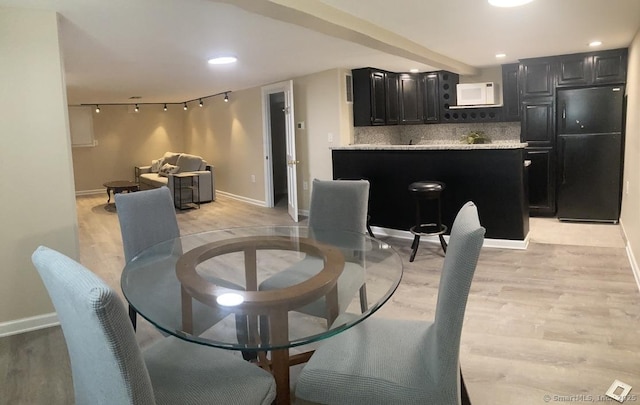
[(492, 243), (243, 199), (28, 324), (632, 259), (91, 192)]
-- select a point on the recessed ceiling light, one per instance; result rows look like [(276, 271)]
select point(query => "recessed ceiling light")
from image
[(222, 60), (509, 3), (414, 70), (595, 43), (501, 55)]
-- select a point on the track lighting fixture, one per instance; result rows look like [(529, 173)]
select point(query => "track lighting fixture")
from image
[(185, 107)]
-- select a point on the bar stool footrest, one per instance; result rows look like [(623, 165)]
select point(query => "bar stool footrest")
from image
[(428, 230)]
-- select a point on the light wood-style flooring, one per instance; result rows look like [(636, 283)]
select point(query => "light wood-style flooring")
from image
[(558, 322)]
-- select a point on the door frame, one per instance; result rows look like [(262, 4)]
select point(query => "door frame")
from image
[(285, 87)]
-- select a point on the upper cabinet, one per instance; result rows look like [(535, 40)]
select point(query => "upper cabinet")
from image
[(431, 98), (411, 105), (536, 77), (370, 97), (607, 67), (510, 92), (392, 98)]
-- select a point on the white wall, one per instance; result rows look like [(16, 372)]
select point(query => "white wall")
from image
[(37, 203), (630, 216)]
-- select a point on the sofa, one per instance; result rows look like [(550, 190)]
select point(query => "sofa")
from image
[(161, 173)]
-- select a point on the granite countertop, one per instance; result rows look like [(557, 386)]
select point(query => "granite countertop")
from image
[(435, 146)]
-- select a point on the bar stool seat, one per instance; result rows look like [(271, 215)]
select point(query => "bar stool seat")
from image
[(423, 191)]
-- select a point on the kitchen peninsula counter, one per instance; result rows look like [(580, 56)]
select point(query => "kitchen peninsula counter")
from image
[(492, 175), (436, 146)]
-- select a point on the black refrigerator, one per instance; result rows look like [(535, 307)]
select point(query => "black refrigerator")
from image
[(590, 123)]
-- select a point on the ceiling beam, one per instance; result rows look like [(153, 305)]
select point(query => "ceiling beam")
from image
[(320, 17)]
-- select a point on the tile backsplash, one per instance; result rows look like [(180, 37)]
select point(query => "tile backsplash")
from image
[(435, 133)]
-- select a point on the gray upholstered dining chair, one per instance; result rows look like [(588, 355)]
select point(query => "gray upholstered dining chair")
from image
[(393, 361), (148, 217), (107, 365), (336, 205)]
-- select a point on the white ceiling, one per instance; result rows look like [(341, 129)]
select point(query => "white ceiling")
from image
[(158, 49)]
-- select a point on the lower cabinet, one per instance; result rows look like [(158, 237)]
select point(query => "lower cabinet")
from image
[(542, 181)]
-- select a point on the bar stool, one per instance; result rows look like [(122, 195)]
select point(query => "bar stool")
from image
[(424, 191)]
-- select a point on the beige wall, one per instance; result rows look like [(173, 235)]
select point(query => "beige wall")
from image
[(630, 217), (126, 139), (37, 205), (318, 102), (229, 136)]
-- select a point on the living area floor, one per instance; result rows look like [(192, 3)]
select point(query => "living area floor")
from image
[(560, 319)]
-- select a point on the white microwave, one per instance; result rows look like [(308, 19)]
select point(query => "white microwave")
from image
[(476, 93)]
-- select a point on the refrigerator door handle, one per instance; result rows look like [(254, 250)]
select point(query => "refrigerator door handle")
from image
[(564, 160), (564, 115)]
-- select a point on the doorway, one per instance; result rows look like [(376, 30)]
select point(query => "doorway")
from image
[(280, 147)]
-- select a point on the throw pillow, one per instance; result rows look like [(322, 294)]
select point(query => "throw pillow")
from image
[(189, 163), (168, 169), (171, 158), (156, 164)]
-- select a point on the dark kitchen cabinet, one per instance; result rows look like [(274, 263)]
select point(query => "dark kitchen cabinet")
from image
[(510, 92), (537, 125), (574, 70), (610, 67), (369, 97), (431, 98), (411, 105), (586, 69), (392, 98), (542, 181), (536, 77)]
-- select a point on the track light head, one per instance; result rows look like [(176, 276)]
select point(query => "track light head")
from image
[(165, 107), (185, 107), (97, 108), (226, 97), (137, 108), (200, 103)]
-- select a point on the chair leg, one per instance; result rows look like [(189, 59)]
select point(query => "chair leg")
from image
[(414, 247), (242, 334), (443, 243), (464, 395), (370, 231), (364, 305), (133, 316)]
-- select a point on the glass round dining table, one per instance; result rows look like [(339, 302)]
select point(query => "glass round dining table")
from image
[(262, 290)]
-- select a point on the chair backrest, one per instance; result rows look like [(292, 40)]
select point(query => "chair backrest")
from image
[(459, 266), (106, 362), (146, 218), (339, 205)]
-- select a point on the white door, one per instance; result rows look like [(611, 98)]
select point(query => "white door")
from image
[(292, 162)]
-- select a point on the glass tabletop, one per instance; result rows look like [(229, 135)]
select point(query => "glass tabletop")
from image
[(261, 288)]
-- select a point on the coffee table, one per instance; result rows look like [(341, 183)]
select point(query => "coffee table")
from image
[(118, 186)]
